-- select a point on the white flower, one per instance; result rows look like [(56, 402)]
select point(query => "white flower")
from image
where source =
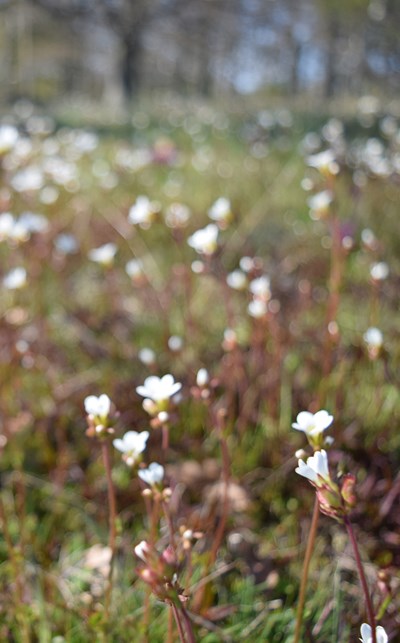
[(147, 356), (141, 550), (373, 337), (66, 243), (15, 279), (153, 475), (134, 268), (237, 280), (369, 239), (323, 161), (159, 389), (103, 255), (246, 264), (11, 229), (7, 223), (315, 468), (132, 445), (33, 222), (366, 634), (221, 210), (261, 287), (313, 424), (8, 138), (379, 271), (204, 241), (30, 178), (175, 343), (99, 407), (177, 215), (142, 212), (257, 308), (319, 203), (202, 377)]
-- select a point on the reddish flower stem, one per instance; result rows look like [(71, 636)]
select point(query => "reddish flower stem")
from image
[(178, 622), (370, 609), (304, 574), (112, 515)]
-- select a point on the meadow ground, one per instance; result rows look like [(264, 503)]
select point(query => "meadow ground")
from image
[(275, 302)]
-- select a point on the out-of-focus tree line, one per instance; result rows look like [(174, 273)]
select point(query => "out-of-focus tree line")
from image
[(109, 49)]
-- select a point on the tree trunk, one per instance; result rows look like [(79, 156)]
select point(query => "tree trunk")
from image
[(130, 67)]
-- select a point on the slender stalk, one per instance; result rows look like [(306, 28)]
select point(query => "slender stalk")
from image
[(304, 574), (170, 626), (225, 498), (370, 609), (165, 438), (188, 625), (178, 622), (112, 516), (169, 524)]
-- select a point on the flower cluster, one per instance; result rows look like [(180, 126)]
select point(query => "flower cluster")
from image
[(333, 501)]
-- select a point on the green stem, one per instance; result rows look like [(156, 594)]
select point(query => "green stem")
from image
[(304, 574), (370, 609)]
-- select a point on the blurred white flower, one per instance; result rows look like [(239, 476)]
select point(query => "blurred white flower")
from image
[(66, 243), (313, 424), (141, 550), (324, 162), (237, 280), (159, 389), (142, 212), (15, 279), (147, 356), (11, 229), (319, 204), (99, 407), (29, 179), (134, 268), (202, 377), (153, 475), (103, 255), (373, 337), (221, 211), (177, 215), (257, 308), (204, 241), (316, 469), (49, 195), (8, 138), (369, 239), (261, 288), (131, 446), (379, 271), (366, 634), (175, 343), (246, 264), (33, 222)]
